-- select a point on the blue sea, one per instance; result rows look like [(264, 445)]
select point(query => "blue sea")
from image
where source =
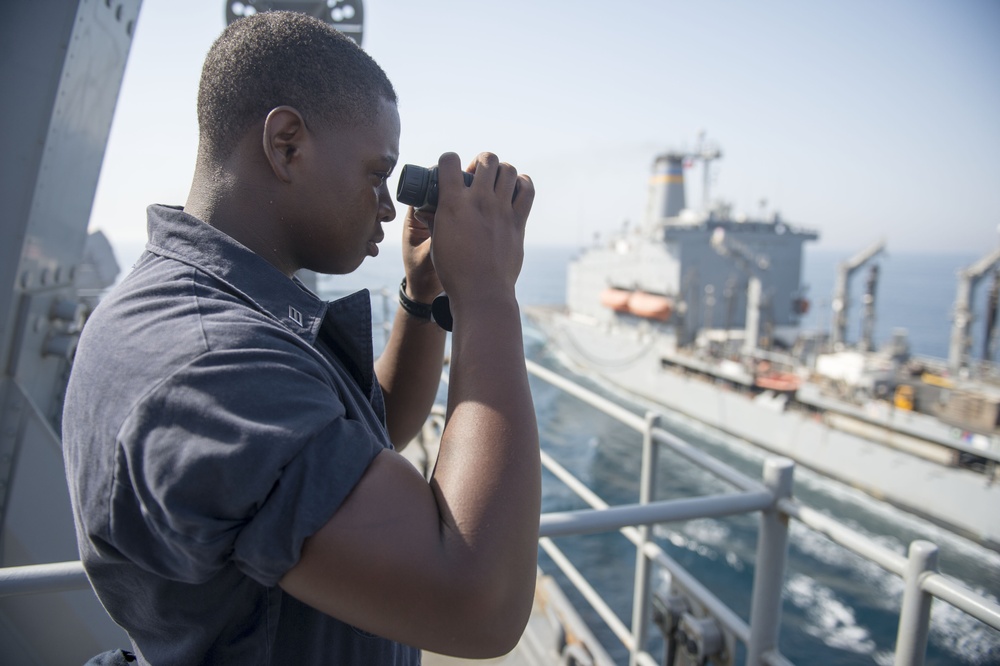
[(838, 609)]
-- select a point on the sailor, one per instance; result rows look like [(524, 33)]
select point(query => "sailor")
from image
[(229, 442)]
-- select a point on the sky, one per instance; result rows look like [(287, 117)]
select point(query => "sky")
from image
[(862, 120)]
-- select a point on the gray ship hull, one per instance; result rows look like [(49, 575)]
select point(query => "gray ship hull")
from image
[(898, 472)]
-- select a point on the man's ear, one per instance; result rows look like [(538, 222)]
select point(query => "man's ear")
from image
[(284, 133)]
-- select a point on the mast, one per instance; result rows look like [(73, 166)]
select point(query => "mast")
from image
[(707, 153)]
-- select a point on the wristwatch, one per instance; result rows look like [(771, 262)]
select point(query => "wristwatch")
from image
[(415, 308)]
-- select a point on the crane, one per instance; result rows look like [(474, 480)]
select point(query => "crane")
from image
[(968, 280), (840, 292), (752, 263)]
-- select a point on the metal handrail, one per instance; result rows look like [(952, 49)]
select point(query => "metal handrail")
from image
[(941, 586), (566, 523), (40, 578), (922, 582)]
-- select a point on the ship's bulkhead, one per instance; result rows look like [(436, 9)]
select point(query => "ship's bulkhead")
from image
[(705, 290)]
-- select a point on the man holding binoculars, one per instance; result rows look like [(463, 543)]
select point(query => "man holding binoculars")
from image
[(228, 439)]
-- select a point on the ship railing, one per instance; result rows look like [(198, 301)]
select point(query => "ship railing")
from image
[(771, 497)]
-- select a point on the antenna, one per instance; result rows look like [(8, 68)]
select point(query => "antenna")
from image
[(707, 153)]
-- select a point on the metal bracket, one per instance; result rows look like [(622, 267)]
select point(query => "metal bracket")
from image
[(692, 637)]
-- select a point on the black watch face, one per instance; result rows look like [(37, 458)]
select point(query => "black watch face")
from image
[(346, 16)]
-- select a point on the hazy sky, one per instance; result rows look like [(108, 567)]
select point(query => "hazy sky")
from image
[(858, 119)]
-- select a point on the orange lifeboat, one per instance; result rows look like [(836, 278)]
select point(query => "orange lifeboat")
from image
[(615, 299), (778, 381), (650, 306)]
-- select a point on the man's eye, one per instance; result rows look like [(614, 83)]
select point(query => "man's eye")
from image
[(382, 177)]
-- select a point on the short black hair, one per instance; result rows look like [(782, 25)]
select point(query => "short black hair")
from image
[(280, 58)]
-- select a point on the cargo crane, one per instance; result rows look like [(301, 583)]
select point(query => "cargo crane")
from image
[(992, 303), (868, 314), (961, 331), (841, 296), (751, 263)]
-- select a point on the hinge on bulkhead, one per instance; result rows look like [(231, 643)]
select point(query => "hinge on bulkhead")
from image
[(692, 637)]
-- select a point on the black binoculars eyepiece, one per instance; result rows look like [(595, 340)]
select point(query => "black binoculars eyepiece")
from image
[(418, 186)]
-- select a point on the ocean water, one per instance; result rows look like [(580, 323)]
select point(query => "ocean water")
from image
[(837, 608)]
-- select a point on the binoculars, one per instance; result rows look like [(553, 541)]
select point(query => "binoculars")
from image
[(418, 186)]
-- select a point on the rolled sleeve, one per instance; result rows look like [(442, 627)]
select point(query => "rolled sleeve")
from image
[(237, 457)]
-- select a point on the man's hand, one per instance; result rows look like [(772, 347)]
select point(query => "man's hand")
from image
[(421, 279), (478, 231)]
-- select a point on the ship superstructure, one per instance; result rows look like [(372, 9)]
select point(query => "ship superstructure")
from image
[(698, 267)]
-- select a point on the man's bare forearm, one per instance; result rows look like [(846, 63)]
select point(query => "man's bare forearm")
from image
[(487, 478), (409, 372)]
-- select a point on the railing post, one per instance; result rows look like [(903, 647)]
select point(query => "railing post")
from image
[(769, 571), (647, 492), (915, 612), (386, 321)]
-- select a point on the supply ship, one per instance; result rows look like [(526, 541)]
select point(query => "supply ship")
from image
[(699, 311)]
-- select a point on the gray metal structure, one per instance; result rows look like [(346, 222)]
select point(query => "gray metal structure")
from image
[(672, 256), (666, 186), (841, 290), (751, 265), (61, 66), (961, 338), (347, 16)]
